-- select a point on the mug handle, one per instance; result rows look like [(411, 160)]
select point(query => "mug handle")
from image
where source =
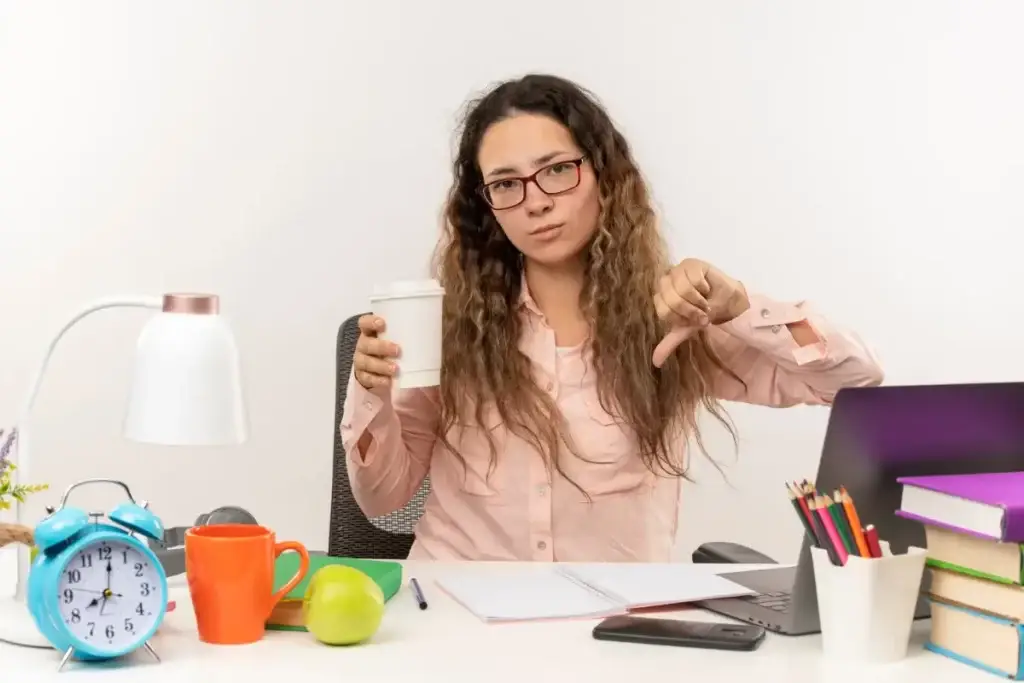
[(297, 547)]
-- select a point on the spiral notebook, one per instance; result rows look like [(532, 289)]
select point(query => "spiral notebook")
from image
[(583, 590)]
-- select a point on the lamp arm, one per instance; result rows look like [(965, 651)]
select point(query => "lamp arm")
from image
[(21, 455)]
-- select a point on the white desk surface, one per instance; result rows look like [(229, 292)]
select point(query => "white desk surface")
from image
[(447, 644)]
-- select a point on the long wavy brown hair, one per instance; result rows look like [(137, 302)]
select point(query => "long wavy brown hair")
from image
[(481, 272)]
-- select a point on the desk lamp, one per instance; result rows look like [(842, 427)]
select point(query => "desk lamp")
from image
[(185, 391)]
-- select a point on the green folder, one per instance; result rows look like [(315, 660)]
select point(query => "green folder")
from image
[(385, 573)]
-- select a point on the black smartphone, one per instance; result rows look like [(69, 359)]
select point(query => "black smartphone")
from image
[(629, 629)]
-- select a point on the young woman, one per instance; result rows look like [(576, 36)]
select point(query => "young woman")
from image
[(576, 357)]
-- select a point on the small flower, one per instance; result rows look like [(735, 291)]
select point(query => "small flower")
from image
[(8, 489), (5, 449)]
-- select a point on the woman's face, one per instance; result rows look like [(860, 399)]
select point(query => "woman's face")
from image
[(551, 217)]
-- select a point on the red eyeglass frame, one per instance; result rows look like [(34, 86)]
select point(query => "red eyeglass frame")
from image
[(532, 178)]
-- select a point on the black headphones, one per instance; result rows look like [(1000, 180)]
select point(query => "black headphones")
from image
[(171, 549), (228, 514)]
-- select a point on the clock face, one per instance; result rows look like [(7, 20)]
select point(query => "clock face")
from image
[(109, 595)]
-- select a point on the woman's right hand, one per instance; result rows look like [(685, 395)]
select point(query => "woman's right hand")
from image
[(373, 363)]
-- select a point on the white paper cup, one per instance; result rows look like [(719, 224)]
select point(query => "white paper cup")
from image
[(412, 314)]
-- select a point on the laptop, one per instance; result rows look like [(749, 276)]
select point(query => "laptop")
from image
[(874, 435)]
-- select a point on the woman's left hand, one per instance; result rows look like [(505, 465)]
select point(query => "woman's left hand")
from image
[(694, 295)]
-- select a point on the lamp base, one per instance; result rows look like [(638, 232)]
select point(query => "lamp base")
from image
[(17, 626)]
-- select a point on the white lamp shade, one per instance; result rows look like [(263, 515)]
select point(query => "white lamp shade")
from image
[(187, 388)]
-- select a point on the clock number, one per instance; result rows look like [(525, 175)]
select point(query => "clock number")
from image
[(140, 610), (86, 561), (128, 625), (92, 627), (105, 553), (69, 596), (144, 589), (138, 569), (74, 576), (76, 616), (124, 554), (109, 631)]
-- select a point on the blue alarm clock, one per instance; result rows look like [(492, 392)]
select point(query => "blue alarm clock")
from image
[(95, 590)]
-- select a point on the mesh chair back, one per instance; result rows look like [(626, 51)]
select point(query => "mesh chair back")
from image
[(353, 534)]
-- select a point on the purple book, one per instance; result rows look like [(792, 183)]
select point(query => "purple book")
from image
[(989, 505)]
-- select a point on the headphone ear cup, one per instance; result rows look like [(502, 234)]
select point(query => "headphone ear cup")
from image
[(230, 514)]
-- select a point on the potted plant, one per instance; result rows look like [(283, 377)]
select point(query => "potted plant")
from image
[(11, 493)]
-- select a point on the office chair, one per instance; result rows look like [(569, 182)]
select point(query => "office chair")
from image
[(352, 533)]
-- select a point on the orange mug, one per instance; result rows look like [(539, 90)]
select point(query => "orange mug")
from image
[(230, 571)]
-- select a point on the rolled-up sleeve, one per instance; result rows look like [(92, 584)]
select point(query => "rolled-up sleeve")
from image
[(775, 370)]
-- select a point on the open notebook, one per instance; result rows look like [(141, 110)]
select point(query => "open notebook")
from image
[(583, 590)]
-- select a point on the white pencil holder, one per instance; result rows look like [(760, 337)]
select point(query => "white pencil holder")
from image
[(866, 607)]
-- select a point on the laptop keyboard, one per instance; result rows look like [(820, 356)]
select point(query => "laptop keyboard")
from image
[(773, 601)]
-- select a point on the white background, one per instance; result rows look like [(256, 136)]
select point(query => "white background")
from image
[(867, 156)]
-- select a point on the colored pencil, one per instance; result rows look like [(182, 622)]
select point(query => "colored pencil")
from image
[(833, 523), (807, 494), (830, 528), (855, 525), (847, 525), (871, 536), (824, 541), (800, 505), (837, 518)]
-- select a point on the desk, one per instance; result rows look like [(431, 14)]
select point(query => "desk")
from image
[(447, 644)]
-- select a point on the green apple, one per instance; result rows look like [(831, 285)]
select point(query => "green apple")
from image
[(342, 605)]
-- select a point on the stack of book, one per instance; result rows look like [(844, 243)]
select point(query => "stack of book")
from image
[(974, 526), (287, 615)]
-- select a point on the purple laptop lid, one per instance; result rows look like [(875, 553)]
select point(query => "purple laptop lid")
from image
[(999, 489)]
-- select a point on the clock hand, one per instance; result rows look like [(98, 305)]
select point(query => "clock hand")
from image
[(95, 603), (108, 593)]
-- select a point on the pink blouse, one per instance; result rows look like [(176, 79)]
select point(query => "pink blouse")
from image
[(519, 512)]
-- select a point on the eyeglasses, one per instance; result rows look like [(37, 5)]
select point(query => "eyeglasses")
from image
[(553, 179)]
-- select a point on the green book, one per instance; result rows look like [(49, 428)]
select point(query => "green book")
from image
[(385, 573), (960, 569), (982, 558)]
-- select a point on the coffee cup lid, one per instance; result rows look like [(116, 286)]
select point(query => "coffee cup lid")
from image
[(406, 288)]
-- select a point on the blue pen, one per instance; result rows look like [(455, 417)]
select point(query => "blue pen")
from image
[(418, 593)]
